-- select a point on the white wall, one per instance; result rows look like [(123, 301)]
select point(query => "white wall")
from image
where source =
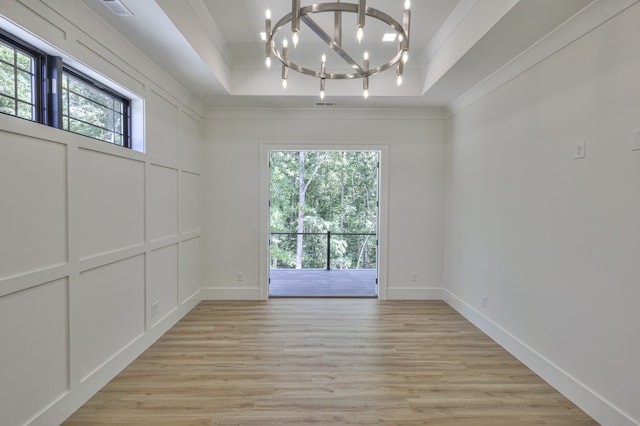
[(554, 242), (235, 186), (92, 234)]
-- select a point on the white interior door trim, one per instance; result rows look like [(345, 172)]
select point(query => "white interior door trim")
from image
[(265, 180)]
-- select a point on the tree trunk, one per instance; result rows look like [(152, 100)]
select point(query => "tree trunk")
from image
[(301, 195), (342, 192), (301, 200)]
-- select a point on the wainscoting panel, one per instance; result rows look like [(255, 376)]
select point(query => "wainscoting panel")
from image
[(162, 127), (42, 375), (191, 269), (163, 200), (162, 282), (110, 202), (190, 202), (33, 184), (107, 312)]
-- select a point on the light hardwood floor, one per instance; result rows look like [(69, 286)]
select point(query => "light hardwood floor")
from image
[(327, 362)]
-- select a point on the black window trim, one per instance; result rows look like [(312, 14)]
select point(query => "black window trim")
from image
[(40, 66), (48, 91), (126, 134)]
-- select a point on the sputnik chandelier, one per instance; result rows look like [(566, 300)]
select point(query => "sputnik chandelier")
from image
[(356, 70)]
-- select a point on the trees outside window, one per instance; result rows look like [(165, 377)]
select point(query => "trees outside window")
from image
[(313, 192), (42, 88), (17, 82), (92, 112)]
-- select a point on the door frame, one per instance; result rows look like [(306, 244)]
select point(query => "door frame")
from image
[(265, 188)]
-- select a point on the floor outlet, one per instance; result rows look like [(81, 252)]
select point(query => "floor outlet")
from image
[(414, 276), (484, 301), (239, 276)]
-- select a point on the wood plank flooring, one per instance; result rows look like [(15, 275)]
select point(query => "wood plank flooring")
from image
[(327, 362)]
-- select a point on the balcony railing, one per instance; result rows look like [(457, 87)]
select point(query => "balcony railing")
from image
[(323, 250)]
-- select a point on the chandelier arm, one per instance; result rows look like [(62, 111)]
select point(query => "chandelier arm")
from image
[(338, 76), (338, 7), (337, 28), (332, 43)]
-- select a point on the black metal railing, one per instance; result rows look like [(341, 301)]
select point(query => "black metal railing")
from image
[(323, 250)]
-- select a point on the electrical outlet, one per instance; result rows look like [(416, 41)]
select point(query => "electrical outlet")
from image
[(580, 152), (239, 276), (414, 276), (484, 301), (155, 306), (635, 143)]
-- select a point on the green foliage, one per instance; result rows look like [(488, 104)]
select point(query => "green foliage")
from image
[(86, 109), (341, 197), (16, 83), (91, 112)]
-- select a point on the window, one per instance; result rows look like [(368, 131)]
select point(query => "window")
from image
[(70, 100), (18, 88), (93, 111)]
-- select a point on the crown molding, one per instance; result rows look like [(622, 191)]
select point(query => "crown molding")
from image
[(582, 23), (326, 113)]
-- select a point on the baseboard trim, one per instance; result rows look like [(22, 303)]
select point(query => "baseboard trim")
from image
[(593, 404), (80, 393), (231, 293), (412, 293)]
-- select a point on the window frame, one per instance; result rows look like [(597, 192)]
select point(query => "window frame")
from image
[(47, 95), (126, 104), (39, 65)]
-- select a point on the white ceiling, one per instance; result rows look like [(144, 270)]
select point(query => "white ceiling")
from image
[(214, 48)]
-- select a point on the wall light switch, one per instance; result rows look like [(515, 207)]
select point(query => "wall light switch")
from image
[(635, 142), (580, 151)]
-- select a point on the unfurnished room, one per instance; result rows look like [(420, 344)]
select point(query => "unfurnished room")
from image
[(300, 212)]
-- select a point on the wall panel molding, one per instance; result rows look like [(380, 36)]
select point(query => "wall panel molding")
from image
[(33, 279), (102, 196), (102, 259)]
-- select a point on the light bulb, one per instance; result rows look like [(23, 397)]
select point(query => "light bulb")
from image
[(399, 80), (284, 83), (322, 94), (366, 55), (407, 4), (366, 93), (405, 57), (268, 62), (268, 14), (285, 43), (295, 38), (324, 58), (360, 34)]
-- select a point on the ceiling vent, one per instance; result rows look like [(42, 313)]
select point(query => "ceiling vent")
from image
[(116, 7), (325, 103)]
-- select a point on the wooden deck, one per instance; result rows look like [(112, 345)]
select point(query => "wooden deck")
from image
[(323, 283)]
